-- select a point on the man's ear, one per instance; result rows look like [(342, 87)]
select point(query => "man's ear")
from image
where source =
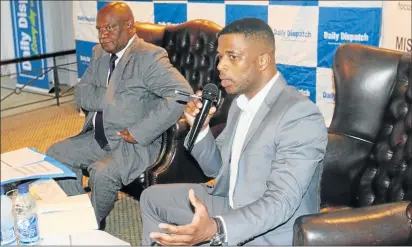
[(129, 25), (264, 61)]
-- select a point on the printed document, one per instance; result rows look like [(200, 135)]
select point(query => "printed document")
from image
[(73, 214), (26, 163)]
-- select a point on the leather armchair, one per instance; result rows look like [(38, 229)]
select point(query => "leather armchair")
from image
[(366, 185), (191, 47)]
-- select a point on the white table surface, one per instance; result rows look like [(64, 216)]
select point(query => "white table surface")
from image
[(94, 237)]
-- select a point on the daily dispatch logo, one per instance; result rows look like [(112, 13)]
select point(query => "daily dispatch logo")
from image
[(327, 95), (26, 22), (289, 34), (344, 37), (83, 18), (85, 59)]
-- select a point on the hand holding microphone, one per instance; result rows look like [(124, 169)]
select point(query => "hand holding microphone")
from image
[(199, 111)]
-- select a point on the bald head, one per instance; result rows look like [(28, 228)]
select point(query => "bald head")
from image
[(118, 10), (115, 26)]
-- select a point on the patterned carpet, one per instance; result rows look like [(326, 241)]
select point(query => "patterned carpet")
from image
[(43, 127)]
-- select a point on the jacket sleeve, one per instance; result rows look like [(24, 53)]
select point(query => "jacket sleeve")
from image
[(88, 93), (207, 151), (162, 79)]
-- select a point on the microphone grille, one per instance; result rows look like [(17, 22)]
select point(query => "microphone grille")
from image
[(210, 92)]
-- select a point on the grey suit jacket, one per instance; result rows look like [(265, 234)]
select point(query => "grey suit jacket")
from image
[(140, 96), (279, 169)]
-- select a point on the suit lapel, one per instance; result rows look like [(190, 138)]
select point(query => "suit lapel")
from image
[(232, 121), (222, 183), (118, 71), (270, 99), (104, 69)]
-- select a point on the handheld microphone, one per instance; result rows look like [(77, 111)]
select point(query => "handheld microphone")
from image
[(209, 95), (188, 94), (217, 100)]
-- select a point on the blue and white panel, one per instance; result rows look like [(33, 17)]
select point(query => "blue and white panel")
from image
[(307, 33)]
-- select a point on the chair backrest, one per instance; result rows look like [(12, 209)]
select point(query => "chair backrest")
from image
[(192, 49), (368, 159)]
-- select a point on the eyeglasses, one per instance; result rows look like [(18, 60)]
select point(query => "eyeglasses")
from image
[(109, 28)]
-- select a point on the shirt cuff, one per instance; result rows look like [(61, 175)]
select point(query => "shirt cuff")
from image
[(224, 226), (202, 134)]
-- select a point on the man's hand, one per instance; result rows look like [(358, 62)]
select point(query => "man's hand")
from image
[(125, 134), (192, 108), (203, 228)]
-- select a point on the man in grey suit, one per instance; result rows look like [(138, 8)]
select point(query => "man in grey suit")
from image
[(128, 90), (267, 161)]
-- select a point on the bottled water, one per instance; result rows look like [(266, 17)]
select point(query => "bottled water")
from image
[(27, 221), (8, 235)]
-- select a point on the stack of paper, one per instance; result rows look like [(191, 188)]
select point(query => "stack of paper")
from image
[(70, 215), (27, 163), (47, 190)]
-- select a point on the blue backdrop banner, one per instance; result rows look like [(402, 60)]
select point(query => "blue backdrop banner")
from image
[(29, 40), (307, 33)]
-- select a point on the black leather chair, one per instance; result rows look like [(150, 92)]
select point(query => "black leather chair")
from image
[(191, 47), (366, 185)]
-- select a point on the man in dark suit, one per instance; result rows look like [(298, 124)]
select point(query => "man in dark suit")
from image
[(267, 161), (128, 90)]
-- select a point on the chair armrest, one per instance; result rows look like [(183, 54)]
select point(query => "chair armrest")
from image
[(384, 224), (170, 141)]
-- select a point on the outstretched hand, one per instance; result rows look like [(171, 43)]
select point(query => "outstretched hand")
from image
[(201, 229)]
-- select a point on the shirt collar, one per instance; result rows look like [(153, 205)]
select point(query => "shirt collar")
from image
[(252, 106), (120, 53)]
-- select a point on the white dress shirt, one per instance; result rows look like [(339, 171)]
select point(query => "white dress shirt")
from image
[(248, 111), (248, 108), (119, 56)]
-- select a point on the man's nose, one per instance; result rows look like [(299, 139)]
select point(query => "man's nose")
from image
[(220, 65), (103, 33)]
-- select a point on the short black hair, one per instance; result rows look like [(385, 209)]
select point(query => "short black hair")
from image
[(252, 28)]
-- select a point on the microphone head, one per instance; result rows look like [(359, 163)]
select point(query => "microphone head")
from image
[(210, 92)]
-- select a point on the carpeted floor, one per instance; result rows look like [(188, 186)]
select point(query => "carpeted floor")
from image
[(43, 127)]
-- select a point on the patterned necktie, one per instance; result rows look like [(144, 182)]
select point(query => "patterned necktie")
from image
[(99, 130)]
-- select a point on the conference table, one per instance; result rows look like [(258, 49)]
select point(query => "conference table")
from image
[(94, 237), (77, 238)]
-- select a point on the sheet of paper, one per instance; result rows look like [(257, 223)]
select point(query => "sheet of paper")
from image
[(97, 237), (47, 190), (18, 172), (93, 237), (55, 241), (70, 215), (21, 157), (8, 173), (67, 222), (69, 203)]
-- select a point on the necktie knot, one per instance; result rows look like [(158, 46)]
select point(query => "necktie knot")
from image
[(112, 65), (113, 58)]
